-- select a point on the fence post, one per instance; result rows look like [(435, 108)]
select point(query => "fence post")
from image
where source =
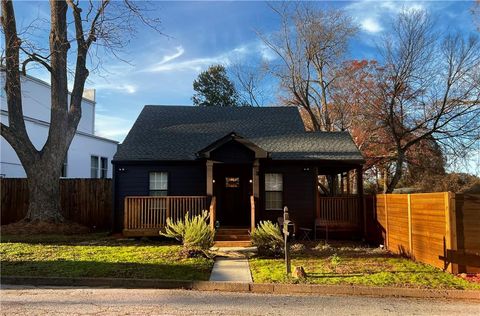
[(386, 221), (410, 226), (450, 227)]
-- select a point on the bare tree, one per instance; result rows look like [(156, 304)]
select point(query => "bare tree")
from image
[(310, 45), (427, 90), (249, 80), (101, 23)]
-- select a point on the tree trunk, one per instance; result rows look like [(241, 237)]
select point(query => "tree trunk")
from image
[(398, 171), (44, 191)]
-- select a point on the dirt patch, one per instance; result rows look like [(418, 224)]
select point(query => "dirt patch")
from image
[(34, 228)]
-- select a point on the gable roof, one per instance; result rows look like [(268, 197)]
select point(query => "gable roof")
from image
[(182, 132)]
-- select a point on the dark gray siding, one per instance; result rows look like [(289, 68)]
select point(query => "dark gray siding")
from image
[(233, 152), (298, 192), (184, 178)]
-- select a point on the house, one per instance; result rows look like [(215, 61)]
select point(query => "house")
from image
[(89, 155), (243, 164)]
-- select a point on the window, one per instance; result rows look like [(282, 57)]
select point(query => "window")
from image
[(273, 191), (231, 182), (158, 183), (64, 167), (103, 167), (93, 167)]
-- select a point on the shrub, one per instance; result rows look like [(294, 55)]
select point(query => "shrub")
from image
[(193, 232), (335, 261), (298, 247), (268, 239)]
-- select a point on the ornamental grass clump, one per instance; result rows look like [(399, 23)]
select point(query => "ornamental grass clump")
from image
[(268, 239), (193, 232)]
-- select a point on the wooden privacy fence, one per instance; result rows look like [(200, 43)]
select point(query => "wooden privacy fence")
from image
[(147, 215), (434, 228), (84, 201)]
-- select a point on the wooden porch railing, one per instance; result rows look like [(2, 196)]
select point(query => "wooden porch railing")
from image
[(252, 213), (341, 210), (147, 215), (213, 212)]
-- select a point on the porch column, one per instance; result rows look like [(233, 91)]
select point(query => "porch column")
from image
[(362, 212), (255, 179), (209, 177), (359, 171)]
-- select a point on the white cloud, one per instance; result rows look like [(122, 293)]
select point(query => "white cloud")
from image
[(112, 127), (266, 53), (372, 15), (237, 54), (371, 25), (196, 64), (168, 58), (127, 88)]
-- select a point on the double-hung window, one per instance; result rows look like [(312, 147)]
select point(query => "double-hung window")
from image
[(103, 167), (273, 191), (98, 167), (159, 183), (93, 167)]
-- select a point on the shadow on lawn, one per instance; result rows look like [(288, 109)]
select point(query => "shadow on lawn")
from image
[(70, 268), (87, 240)]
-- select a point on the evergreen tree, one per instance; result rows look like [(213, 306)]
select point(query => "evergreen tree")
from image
[(213, 88)]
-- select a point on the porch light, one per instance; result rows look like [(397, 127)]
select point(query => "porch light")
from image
[(213, 181), (251, 181)]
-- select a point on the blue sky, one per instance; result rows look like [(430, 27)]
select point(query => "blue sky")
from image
[(162, 68)]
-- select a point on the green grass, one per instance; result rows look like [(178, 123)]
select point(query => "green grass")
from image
[(356, 265), (97, 255)]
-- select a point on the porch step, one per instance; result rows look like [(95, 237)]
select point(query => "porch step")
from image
[(234, 243), (233, 231), (231, 237)]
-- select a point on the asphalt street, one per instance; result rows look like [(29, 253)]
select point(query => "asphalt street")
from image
[(18, 300)]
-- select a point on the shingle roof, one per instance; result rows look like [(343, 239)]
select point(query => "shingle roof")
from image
[(180, 132)]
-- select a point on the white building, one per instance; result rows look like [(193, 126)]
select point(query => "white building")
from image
[(89, 156)]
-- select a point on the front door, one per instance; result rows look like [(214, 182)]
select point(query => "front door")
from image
[(232, 189)]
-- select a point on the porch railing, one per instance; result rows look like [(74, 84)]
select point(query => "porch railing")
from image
[(338, 210), (146, 215), (213, 212), (252, 213)]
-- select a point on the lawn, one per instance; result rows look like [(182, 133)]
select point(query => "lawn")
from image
[(97, 255), (354, 264)]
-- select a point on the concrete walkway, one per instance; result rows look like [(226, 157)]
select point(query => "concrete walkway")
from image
[(231, 269)]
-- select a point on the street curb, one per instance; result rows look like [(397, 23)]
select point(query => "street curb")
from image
[(264, 288)]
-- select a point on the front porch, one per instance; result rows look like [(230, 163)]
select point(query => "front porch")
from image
[(146, 216)]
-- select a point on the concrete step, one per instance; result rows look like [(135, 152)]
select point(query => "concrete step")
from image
[(230, 243), (232, 237)]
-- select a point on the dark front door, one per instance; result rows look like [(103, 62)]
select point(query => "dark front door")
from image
[(232, 189)]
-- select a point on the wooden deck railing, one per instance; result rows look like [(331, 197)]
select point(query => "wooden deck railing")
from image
[(252, 213), (338, 210), (213, 212), (147, 215)]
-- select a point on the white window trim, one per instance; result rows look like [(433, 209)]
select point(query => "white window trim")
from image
[(96, 157), (160, 184), (270, 190)]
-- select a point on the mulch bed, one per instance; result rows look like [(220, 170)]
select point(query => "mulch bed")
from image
[(34, 228)]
